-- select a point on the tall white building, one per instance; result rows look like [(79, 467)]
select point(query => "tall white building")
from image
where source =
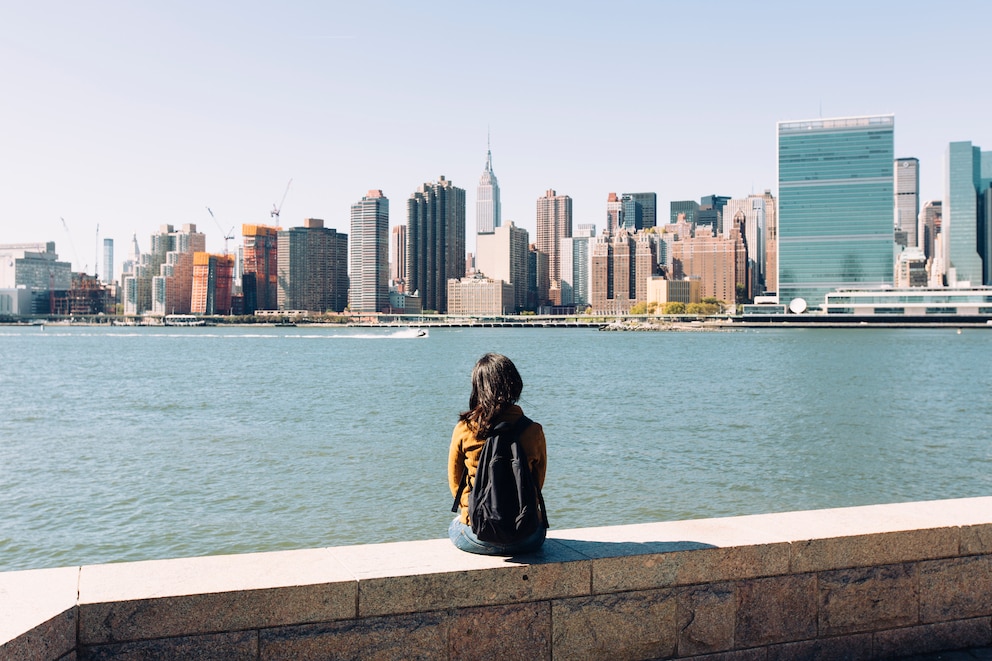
[(575, 265), (108, 261), (369, 285), (502, 255), (487, 207)]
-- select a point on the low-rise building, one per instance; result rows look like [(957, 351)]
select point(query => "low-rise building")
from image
[(661, 290), (480, 296)]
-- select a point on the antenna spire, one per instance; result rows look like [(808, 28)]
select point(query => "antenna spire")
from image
[(489, 152)]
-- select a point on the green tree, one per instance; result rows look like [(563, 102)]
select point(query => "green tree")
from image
[(639, 308), (703, 308), (674, 307)]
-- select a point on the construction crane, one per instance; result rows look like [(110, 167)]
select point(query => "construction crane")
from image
[(71, 244), (230, 232), (277, 209)]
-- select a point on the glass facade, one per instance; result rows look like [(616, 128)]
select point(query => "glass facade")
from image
[(962, 213), (836, 198), (690, 208)]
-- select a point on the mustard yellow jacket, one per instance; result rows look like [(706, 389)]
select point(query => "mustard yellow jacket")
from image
[(465, 450)]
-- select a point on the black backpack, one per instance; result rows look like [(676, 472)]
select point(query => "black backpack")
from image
[(505, 505)]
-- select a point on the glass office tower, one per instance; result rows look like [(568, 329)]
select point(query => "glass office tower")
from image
[(836, 199), (963, 214)]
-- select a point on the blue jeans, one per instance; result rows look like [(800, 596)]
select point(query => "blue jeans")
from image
[(462, 537)]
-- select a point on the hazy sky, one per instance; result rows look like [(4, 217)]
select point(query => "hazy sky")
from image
[(131, 115)]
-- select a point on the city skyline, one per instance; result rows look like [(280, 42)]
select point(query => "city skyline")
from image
[(132, 117)]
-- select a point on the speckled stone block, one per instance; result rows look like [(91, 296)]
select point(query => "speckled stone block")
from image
[(238, 646), (706, 617), (409, 577), (868, 599), (184, 597), (49, 640), (631, 625), (775, 610), (875, 549), (849, 648), (644, 572), (956, 589), (208, 613), (397, 638), (933, 638), (976, 540), (521, 631)]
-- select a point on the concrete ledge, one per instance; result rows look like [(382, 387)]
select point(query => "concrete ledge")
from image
[(865, 582)]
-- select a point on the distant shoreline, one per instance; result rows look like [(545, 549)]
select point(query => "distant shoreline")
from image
[(650, 324)]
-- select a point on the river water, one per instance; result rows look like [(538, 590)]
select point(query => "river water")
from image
[(138, 443)]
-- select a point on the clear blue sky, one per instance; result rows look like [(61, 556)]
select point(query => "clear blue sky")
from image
[(131, 115)]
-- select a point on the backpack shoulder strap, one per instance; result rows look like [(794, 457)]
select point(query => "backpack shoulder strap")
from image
[(518, 428), (461, 488)]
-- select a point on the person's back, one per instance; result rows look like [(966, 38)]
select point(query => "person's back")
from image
[(496, 387)]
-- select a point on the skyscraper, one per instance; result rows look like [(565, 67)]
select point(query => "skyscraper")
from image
[(313, 268), (502, 255), (554, 223), (771, 242), (968, 172), (931, 218), (614, 213), (261, 264), (907, 174), (575, 265), (835, 212), (710, 213), (640, 210), (397, 263), (172, 281), (213, 277), (620, 266), (487, 207), (369, 286), (748, 216), (435, 241), (108, 261), (688, 209), (717, 261)]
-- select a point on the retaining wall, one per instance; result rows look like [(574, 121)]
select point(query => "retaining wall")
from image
[(858, 583)]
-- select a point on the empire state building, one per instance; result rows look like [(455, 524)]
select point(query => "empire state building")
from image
[(487, 211)]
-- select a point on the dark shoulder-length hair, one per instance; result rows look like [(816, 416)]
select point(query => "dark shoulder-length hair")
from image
[(496, 385)]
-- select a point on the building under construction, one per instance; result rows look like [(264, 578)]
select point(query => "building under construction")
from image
[(213, 279), (259, 279)]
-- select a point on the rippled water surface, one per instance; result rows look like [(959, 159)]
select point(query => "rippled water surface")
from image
[(124, 444)]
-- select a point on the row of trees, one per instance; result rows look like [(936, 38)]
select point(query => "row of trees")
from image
[(708, 306)]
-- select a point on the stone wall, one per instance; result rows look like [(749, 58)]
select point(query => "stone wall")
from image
[(859, 583)]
